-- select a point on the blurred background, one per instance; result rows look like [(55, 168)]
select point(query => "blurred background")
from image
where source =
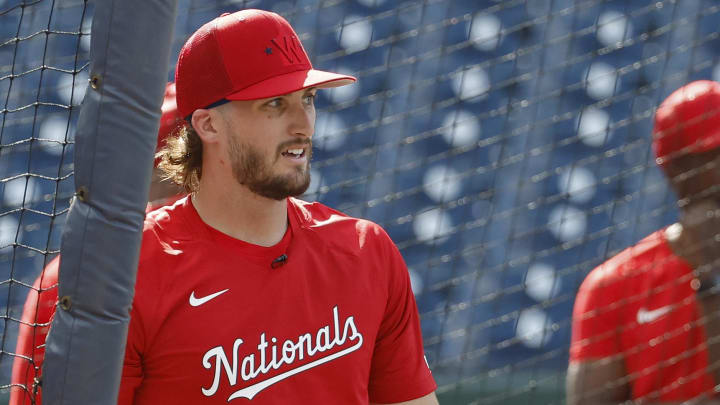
[(503, 144)]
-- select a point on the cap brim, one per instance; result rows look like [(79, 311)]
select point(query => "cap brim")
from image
[(665, 152), (290, 82)]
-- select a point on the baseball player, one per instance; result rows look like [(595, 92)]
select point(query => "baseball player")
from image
[(645, 322), (41, 301), (244, 293)]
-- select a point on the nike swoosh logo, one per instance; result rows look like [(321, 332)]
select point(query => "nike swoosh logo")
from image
[(645, 316), (249, 392), (196, 302)]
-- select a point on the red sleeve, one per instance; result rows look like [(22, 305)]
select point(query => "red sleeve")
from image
[(132, 372), (135, 347), (30, 350), (141, 314), (596, 318), (399, 371)]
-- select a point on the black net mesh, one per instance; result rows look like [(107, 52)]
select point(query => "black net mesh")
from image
[(504, 145), (43, 74)]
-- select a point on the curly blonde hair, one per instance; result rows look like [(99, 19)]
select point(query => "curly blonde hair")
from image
[(181, 158)]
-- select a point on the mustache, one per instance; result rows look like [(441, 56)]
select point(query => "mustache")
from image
[(300, 141)]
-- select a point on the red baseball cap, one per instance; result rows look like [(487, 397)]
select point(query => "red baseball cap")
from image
[(688, 121), (247, 55), (170, 117)]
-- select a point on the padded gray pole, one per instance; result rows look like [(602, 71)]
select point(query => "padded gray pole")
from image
[(115, 142)]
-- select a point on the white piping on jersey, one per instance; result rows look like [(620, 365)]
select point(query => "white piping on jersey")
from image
[(292, 351)]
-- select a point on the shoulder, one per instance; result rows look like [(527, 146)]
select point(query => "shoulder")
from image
[(333, 225), (164, 228), (50, 274), (632, 264), (164, 248), (164, 215)]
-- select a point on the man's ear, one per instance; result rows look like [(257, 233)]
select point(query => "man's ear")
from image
[(206, 123)]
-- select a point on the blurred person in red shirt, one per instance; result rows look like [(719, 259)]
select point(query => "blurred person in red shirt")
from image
[(645, 321)]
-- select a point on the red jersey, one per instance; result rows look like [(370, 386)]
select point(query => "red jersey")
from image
[(326, 316), (30, 349), (641, 305)]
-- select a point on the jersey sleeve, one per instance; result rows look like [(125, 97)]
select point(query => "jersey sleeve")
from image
[(36, 318), (399, 371), (143, 317), (132, 371), (596, 319)]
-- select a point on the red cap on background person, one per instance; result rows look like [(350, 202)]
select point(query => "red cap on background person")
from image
[(170, 117), (165, 192), (688, 121), (247, 55)]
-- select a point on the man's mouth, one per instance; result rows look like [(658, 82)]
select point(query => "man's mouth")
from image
[(294, 153)]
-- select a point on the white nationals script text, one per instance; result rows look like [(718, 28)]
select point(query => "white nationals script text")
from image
[(291, 351)]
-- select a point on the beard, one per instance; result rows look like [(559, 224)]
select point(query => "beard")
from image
[(254, 172)]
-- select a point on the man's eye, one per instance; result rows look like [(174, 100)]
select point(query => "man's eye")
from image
[(274, 103), (309, 98)]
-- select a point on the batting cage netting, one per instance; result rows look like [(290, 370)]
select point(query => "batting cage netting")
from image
[(505, 145), (43, 75)]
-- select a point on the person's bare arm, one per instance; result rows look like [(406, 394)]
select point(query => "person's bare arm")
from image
[(601, 381), (429, 399), (709, 304)]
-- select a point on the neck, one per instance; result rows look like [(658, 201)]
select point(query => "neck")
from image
[(234, 210), (692, 247)]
